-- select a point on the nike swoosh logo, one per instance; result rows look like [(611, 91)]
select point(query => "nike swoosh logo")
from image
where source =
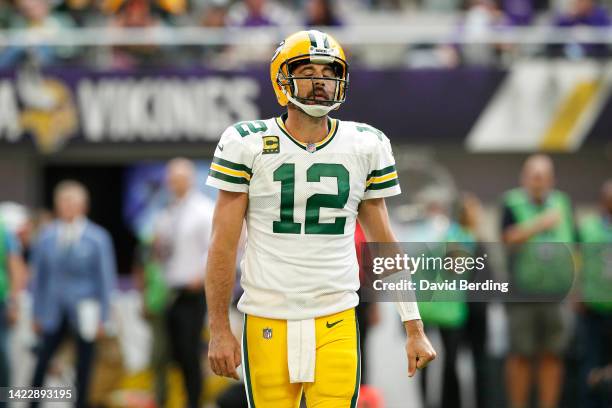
[(330, 325), (221, 147)]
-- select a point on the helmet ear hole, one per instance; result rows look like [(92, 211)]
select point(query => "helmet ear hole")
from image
[(283, 82), (338, 69)]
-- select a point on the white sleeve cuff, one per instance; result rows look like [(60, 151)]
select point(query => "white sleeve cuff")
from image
[(387, 192), (227, 186), (408, 310)]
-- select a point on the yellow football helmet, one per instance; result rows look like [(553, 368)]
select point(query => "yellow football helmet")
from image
[(318, 48)]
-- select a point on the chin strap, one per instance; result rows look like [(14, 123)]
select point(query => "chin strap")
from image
[(316, 111)]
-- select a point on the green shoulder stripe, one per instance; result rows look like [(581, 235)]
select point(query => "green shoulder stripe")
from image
[(232, 165), (382, 172)]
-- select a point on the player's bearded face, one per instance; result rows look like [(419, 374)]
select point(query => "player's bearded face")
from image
[(316, 84)]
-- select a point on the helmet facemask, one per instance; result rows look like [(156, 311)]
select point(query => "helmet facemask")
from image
[(311, 105)]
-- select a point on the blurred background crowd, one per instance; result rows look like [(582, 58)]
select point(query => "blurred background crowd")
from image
[(499, 114), (451, 19)]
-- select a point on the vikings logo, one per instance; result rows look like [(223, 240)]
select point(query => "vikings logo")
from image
[(48, 113)]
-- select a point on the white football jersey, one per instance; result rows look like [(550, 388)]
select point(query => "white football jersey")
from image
[(300, 260)]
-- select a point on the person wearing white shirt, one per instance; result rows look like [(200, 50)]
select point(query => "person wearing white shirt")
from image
[(182, 234)]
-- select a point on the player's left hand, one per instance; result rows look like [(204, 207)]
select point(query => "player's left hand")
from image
[(418, 348)]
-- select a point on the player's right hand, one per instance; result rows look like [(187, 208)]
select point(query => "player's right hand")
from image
[(224, 354)]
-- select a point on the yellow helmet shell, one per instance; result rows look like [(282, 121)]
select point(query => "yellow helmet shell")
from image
[(314, 45)]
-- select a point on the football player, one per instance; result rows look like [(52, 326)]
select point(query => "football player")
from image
[(301, 180)]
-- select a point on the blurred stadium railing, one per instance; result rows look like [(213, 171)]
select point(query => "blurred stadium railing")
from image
[(366, 35)]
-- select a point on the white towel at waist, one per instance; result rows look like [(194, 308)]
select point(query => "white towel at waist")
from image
[(301, 350)]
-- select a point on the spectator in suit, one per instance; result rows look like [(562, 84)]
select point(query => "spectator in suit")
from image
[(74, 272)]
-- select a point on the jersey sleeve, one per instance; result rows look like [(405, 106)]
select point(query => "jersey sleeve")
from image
[(382, 179), (231, 166)]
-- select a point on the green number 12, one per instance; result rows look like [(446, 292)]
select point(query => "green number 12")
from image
[(286, 175)]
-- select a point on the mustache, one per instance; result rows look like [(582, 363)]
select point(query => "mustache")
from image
[(318, 92)]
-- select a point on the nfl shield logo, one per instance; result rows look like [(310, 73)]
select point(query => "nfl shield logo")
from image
[(267, 333), (311, 148)]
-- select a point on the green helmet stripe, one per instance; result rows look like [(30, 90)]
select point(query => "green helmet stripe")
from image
[(313, 40)]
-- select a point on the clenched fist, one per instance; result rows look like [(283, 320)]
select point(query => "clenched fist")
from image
[(224, 354), (418, 348)]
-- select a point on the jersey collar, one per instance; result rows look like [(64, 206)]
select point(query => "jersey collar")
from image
[(332, 125)]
